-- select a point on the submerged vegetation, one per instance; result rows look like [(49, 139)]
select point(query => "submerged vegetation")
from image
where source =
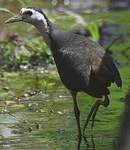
[(36, 111)]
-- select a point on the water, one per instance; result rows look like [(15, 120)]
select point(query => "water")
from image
[(34, 119)]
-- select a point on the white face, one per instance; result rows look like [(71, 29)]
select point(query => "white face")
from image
[(31, 15)]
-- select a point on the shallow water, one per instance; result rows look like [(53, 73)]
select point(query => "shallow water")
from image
[(35, 117)]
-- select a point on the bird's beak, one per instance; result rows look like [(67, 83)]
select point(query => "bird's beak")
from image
[(16, 18)]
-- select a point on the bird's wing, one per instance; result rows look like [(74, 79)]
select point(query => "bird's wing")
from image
[(78, 60), (103, 65), (87, 58)]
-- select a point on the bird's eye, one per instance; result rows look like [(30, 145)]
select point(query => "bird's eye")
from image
[(28, 13)]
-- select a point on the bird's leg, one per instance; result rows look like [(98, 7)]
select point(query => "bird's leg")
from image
[(77, 115), (94, 110), (99, 102), (89, 116), (105, 103)]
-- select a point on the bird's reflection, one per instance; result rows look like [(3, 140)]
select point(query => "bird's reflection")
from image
[(89, 141), (93, 142)]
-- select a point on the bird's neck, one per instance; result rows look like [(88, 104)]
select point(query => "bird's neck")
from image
[(45, 31), (52, 35)]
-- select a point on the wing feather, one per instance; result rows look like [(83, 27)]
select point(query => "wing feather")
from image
[(87, 59)]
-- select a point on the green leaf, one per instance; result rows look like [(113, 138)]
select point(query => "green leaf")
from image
[(94, 30)]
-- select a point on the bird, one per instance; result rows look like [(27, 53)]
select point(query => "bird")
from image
[(83, 65)]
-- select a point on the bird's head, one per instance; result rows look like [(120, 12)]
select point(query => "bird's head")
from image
[(31, 15)]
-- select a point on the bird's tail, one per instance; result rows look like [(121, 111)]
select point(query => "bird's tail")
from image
[(117, 77), (112, 67)]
